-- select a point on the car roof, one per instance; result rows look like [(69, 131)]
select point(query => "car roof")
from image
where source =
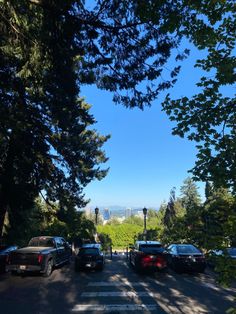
[(148, 242), (182, 244), (91, 245)]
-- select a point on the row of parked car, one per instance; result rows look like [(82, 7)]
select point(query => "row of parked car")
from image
[(46, 252), (152, 255)]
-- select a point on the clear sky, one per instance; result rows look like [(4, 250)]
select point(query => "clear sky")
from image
[(145, 159)]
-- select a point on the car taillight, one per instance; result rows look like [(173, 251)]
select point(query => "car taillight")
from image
[(40, 258), (146, 258)]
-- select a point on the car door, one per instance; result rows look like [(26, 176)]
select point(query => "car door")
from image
[(60, 251), (170, 254), (66, 249), (133, 254)]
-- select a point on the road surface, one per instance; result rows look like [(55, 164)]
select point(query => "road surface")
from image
[(116, 289)]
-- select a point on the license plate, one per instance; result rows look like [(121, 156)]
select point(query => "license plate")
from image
[(88, 265), (22, 267)]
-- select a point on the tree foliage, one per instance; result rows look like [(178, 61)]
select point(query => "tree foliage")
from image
[(46, 138), (209, 117)]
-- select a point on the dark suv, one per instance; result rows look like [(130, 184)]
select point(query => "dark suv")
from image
[(148, 255), (89, 256)]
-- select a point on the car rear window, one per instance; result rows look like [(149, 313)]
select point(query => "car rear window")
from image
[(182, 249), (151, 248), (44, 242), (90, 251), (231, 251)]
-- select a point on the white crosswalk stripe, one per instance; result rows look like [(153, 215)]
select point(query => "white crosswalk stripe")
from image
[(125, 294), (136, 304), (115, 307), (117, 284)]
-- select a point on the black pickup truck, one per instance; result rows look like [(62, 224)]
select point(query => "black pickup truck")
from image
[(41, 255)]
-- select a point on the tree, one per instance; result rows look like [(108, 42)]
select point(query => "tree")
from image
[(219, 219), (170, 212), (50, 48), (208, 118), (46, 138), (138, 221), (189, 194)]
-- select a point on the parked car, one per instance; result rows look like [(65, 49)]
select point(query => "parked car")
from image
[(148, 255), (4, 255), (214, 255), (41, 255), (185, 257), (90, 256)]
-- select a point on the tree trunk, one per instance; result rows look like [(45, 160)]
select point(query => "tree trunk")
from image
[(3, 210)]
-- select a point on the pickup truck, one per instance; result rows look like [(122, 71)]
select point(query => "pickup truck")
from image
[(148, 255), (41, 255)]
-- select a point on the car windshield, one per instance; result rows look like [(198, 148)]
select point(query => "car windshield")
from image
[(153, 248), (182, 249), (46, 242), (90, 251), (231, 251)]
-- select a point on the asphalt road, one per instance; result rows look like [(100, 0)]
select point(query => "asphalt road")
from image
[(116, 289)]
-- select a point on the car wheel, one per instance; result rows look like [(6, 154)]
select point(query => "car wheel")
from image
[(137, 267), (48, 270)]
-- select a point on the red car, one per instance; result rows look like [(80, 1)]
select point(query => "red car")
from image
[(148, 255)]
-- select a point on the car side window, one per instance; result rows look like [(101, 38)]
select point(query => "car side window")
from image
[(58, 243), (64, 243), (169, 249), (174, 250)]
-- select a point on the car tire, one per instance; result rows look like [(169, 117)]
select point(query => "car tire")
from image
[(137, 267), (48, 269)]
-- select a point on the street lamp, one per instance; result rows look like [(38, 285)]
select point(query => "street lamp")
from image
[(145, 229), (96, 213)]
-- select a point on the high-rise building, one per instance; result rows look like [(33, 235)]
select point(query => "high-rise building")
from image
[(106, 214), (128, 212)]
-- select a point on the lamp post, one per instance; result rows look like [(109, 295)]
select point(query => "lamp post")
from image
[(96, 213), (145, 229), (96, 222)]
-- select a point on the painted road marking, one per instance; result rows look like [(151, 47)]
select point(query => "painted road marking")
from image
[(130, 294), (117, 284), (115, 307)]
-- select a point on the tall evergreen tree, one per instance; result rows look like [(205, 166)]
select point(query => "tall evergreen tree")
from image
[(190, 197), (170, 212)]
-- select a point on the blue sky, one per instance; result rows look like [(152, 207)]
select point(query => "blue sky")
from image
[(145, 159)]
